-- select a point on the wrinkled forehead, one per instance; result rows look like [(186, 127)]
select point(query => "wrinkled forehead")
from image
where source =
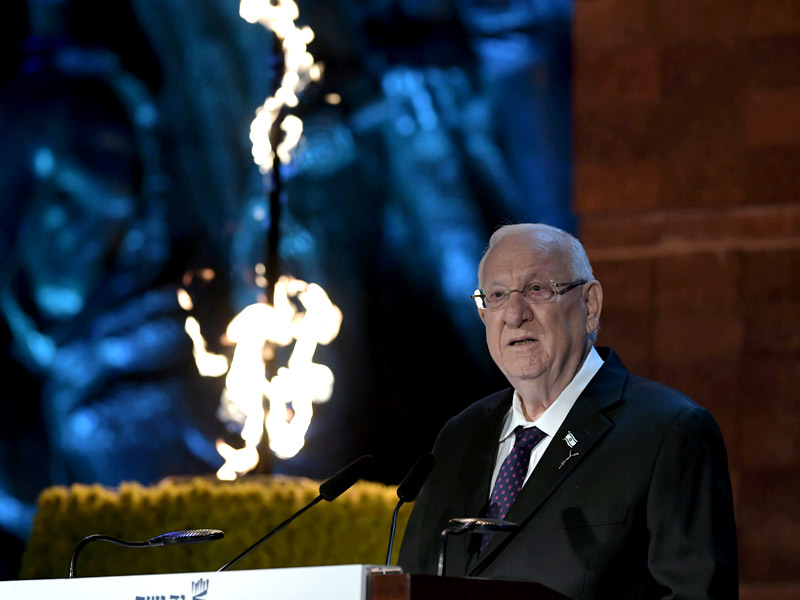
[(525, 255)]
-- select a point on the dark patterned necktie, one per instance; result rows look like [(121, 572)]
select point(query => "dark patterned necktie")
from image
[(512, 474)]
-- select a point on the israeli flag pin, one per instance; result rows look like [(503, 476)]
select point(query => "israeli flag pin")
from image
[(570, 439)]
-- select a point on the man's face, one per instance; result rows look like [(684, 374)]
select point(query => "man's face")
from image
[(533, 341)]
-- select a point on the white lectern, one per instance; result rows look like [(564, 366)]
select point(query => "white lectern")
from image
[(342, 582)]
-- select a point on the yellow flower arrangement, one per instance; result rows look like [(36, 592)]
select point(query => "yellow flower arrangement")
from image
[(352, 529)]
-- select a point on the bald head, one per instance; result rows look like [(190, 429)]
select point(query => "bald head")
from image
[(546, 239)]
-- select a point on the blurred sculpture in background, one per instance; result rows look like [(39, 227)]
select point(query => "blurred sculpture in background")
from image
[(450, 118), (435, 121), (85, 287)]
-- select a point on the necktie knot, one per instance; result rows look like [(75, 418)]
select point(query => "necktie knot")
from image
[(527, 437)]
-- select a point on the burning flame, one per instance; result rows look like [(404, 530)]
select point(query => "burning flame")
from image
[(256, 331), (299, 69), (208, 364), (260, 328)]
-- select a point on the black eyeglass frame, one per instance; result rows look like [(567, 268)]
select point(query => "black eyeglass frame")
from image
[(558, 289)]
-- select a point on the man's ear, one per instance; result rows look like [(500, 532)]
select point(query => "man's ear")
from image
[(482, 315), (593, 297)]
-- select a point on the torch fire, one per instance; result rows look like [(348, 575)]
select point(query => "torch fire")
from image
[(261, 328), (299, 69), (256, 332)]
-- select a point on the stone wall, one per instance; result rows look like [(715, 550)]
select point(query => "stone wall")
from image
[(687, 166)]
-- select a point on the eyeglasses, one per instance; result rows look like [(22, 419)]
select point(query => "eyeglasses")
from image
[(535, 292)]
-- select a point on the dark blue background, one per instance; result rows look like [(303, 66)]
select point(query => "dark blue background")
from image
[(455, 118)]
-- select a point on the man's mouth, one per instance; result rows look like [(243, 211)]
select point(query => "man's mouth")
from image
[(522, 342)]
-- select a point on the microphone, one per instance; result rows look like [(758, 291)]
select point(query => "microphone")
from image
[(338, 484), (467, 524), (407, 491), (190, 536), (329, 490)]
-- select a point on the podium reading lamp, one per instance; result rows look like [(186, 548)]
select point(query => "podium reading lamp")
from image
[(470, 525)]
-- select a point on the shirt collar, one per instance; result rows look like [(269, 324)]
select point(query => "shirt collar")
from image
[(552, 418)]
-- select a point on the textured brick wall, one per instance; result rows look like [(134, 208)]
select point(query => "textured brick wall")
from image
[(687, 150)]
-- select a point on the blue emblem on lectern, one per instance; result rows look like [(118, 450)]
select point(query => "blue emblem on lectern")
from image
[(199, 588)]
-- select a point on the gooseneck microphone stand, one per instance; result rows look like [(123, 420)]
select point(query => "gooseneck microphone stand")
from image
[(190, 536)]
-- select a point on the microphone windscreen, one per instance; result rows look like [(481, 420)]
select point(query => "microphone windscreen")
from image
[(335, 485), (189, 536), (480, 525), (412, 483)]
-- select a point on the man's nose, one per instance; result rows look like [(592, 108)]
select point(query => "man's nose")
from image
[(517, 309)]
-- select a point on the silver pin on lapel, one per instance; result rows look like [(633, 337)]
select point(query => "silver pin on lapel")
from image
[(563, 462)]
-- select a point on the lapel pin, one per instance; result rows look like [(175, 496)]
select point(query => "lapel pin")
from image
[(570, 439), (571, 454)]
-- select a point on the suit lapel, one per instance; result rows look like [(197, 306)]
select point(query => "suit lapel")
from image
[(584, 427)]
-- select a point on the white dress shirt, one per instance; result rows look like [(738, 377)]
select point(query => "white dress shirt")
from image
[(550, 420)]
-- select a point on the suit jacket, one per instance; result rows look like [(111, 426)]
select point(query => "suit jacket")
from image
[(640, 507)]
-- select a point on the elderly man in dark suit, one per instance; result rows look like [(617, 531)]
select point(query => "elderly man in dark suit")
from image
[(619, 486)]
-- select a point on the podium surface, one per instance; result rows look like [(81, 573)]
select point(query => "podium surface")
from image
[(341, 582)]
